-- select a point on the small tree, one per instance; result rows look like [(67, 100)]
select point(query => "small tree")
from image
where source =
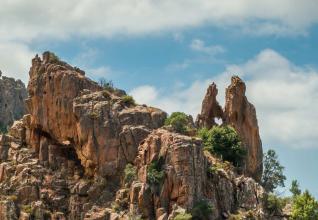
[(179, 122), (304, 207), (273, 172), (274, 204), (106, 84), (128, 100), (155, 173), (130, 173), (224, 142), (201, 210), (294, 189)]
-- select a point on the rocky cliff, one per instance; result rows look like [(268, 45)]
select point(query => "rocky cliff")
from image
[(88, 152), (12, 95), (240, 114)]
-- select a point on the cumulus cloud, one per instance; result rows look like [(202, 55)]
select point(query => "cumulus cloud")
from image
[(199, 45), (33, 19), (285, 96), (15, 60)]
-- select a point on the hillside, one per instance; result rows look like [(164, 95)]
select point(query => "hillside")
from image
[(88, 151)]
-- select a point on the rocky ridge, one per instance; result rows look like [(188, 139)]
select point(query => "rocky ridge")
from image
[(240, 114), (12, 95), (66, 159)]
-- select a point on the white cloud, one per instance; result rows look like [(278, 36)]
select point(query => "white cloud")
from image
[(145, 94), (15, 60), (25, 22), (86, 59), (199, 45), (285, 97), (36, 19)]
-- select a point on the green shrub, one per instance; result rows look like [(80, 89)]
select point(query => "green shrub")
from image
[(27, 209), (224, 142), (93, 115), (155, 174), (185, 216), (54, 58), (274, 204), (106, 84), (273, 172), (130, 173), (213, 169), (128, 100), (304, 207), (13, 198), (201, 210), (106, 94), (294, 189), (3, 129), (179, 122)]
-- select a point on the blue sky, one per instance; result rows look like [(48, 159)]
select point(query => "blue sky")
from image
[(165, 53)]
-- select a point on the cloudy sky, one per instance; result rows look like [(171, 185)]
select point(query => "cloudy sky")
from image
[(165, 53)]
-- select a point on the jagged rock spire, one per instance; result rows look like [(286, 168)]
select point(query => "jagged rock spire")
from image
[(240, 114), (210, 108)]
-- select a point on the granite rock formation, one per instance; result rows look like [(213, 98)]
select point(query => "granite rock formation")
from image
[(211, 109), (12, 95), (241, 115), (68, 158), (68, 109)]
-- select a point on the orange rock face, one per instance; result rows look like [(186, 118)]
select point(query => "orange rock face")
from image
[(70, 110), (240, 114), (211, 109), (67, 159)]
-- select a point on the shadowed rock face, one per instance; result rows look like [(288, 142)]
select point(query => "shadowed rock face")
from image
[(240, 114), (12, 96)]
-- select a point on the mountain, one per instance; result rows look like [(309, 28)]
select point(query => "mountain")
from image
[(88, 151)]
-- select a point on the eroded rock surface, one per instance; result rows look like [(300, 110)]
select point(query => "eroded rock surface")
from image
[(66, 108), (240, 114), (211, 109), (66, 159), (12, 96)]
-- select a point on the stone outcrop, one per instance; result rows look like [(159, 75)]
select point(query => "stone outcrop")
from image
[(211, 109), (186, 181), (69, 158), (240, 114), (12, 96), (68, 109)]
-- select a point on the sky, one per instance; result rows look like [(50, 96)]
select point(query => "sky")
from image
[(165, 53)]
